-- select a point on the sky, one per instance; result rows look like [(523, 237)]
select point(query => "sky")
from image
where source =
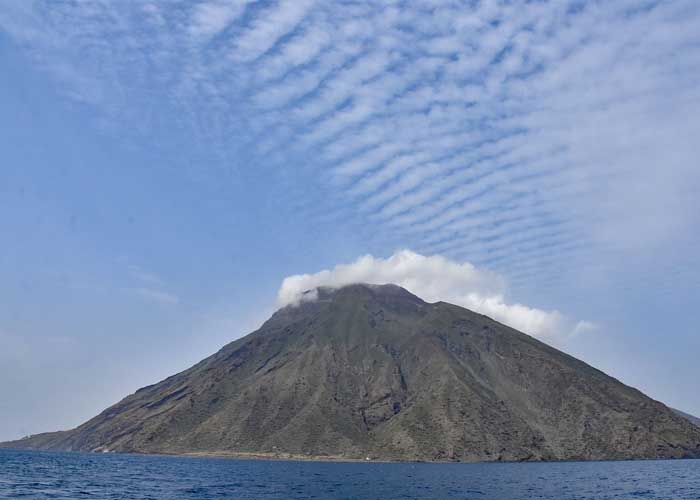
[(171, 172)]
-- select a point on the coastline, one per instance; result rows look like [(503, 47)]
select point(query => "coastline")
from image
[(289, 457)]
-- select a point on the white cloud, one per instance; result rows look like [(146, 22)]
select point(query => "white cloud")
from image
[(269, 26), (209, 19), (154, 295), (436, 278), (144, 276)]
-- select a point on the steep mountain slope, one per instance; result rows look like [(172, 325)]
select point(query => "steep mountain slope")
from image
[(375, 371), (693, 419)]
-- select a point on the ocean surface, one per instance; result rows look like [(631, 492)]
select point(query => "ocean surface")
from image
[(107, 476)]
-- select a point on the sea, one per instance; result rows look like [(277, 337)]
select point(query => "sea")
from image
[(44, 475)]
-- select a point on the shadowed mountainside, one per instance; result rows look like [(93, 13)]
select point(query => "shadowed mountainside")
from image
[(374, 371)]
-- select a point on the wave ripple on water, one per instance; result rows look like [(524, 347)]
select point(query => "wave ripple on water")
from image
[(49, 475)]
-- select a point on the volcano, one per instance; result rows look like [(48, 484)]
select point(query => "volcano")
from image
[(374, 372)]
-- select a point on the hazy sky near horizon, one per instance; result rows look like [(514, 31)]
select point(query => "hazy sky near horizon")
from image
[(165, 165)]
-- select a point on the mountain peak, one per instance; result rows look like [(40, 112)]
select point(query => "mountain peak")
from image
[(367, 290)]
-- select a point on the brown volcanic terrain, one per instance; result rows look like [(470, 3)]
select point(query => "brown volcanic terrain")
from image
[(375, 371)]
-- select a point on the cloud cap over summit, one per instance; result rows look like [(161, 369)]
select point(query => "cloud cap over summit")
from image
[(436, 278)]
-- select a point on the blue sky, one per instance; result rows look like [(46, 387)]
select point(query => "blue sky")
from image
[(166, 165)]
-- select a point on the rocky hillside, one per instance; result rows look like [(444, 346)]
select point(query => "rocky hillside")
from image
[(687, 416), (374, 371)]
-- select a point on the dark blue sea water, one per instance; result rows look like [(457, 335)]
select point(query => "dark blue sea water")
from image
[(124, 477)]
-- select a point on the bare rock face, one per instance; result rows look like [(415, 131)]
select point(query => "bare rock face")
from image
[(374, 371)]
